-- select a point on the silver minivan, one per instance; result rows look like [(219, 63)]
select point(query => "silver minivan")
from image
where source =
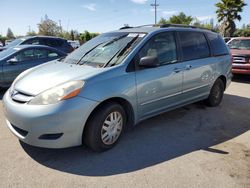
[(115, 80)]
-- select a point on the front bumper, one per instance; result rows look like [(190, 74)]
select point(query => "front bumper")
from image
[(241, 68), (66, 118)]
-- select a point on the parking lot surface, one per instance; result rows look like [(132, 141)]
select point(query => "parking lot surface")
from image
[(193, 146)]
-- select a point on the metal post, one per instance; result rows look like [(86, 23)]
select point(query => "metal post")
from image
[(155, 5)]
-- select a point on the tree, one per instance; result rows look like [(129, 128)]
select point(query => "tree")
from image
[(31, 33), (48, 27), (3, 39), (227, 12), (10, 34), (181, 18)]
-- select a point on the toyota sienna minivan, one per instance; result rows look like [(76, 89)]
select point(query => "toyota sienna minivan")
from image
[(115, 80)]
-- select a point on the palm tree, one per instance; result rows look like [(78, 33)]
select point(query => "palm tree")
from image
[(227, 12)]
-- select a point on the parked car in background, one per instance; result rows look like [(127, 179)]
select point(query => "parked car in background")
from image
[(240, 49), (226, 39), (16, 59), (8, 41), (74, 43), (55, 42), (117, 79)]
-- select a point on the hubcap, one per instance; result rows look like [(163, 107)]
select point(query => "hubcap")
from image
[(111, 128)]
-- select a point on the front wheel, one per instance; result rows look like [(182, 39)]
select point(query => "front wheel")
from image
[(105, 127), (216, 93)]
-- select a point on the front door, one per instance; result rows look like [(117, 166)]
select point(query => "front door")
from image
[(158, 88)]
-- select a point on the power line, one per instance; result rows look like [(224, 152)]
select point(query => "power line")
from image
[(155, 5)]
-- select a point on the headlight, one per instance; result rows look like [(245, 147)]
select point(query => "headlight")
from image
[(58, 93)]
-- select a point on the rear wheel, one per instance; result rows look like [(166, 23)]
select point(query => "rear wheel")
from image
[(105, 127), (216, 93)]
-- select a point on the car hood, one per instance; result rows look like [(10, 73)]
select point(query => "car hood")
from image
[(240, 52), (49, 75)]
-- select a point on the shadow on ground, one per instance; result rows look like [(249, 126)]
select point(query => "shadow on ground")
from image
[(156, 140), (241, 78)]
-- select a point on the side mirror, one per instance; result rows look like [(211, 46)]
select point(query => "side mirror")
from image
[(149, 62), (12, 60)]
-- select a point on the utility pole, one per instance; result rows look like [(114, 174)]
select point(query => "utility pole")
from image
[(155, 5)]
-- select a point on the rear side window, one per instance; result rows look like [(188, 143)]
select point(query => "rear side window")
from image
[(51, 42), (218, 45), (194, 45), (32, 41)]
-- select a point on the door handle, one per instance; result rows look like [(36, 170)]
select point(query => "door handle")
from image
[(188, 67)]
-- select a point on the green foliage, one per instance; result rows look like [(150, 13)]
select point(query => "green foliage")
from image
[(10, 34), (86, 36), (31, 33), (243, 32), (227, 12), (49, 27), (181, 18), (3, 39)]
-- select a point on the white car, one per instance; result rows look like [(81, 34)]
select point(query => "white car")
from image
[(74, 43)]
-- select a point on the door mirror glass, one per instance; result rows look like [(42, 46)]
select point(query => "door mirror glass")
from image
[(149, 62)]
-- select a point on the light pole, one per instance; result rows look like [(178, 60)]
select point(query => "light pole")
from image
[(155, 5)]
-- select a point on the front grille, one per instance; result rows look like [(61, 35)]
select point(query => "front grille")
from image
[(20, 131), (20, 97), (238, 59)]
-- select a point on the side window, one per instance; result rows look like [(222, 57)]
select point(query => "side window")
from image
[(194, 45), (218, 45), (162, 46), (25, 55), (52, 54), (40, 53), (32, 41), (51, 42), (60, 42)]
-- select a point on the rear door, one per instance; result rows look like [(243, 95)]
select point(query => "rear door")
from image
[(197, 64), (158, 88)]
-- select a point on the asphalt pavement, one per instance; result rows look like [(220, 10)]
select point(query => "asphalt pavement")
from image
[(193, 146)]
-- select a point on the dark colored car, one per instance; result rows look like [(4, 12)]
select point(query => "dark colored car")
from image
[(240, 49), (55, 42), (15, 60)]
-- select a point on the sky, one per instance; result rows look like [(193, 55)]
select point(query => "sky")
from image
[(100, 15)]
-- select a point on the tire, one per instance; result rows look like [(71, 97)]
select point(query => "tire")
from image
[(105, 127), (216, 94)]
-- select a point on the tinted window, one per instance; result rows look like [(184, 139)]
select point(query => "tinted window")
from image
[(218, 45), (162, 46), (25, 55), (40, 53), (194, 45), (31, 41), (51, 42)]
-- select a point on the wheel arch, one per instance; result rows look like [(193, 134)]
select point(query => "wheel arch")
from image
[(224, 80), (121, 101)]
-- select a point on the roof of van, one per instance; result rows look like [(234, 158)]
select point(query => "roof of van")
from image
[(173, 27)]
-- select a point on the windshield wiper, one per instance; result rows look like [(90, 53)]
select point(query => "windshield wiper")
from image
[(107, 43), (115, 39), (122, 51)]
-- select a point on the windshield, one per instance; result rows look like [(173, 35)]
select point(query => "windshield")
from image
[(15, 42), (7, 52), (240, 44), (105, 50)]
